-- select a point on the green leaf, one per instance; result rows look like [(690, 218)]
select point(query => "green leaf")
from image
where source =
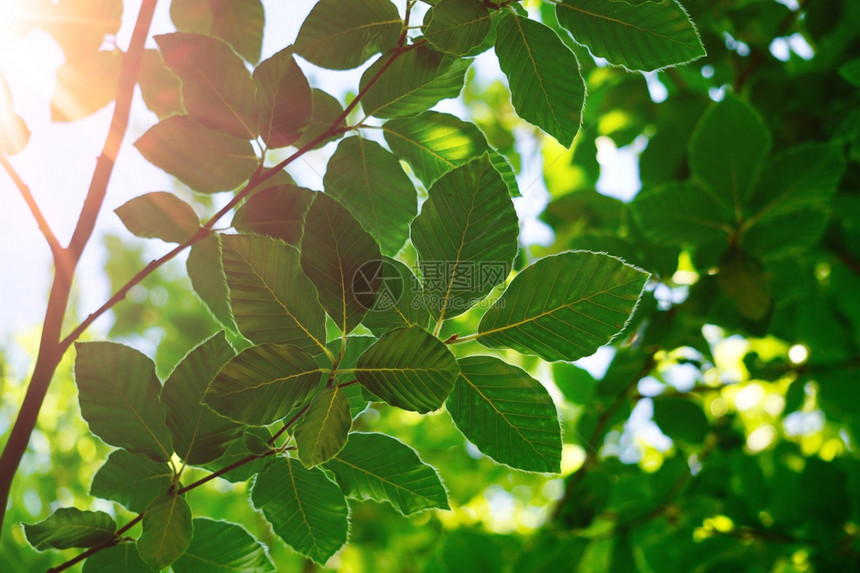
[(278, 212), (219, 546), (507, 414), (131, 480), (86, 83), (342, 260), (399, 301), (564, 307), (457, 26), (353, 348), (645, 36), (306, 509), (342, 34), (284, 100), (70, 527), (466, 237), (369, 181), (415, 82), (680, 419), (118, 391), (272, 299), (547, 89), (159, 215), (500, 162), (380, 468), (199, 435), (434, 143), (742, 278), (208, 161), (324, 117), (239, 450), (410, 369), (851, 72), (159, 87), (322, 431), (263, 383), (166, 532), (727, 150), (206, 271), (217, 89), (123, 557), (237, 22), (679, 213)]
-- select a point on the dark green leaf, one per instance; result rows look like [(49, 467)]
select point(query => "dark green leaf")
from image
[(457, 26), (645, 36), (217, 89), (85, 84), (466, 237), (342, 260), (118, 391), (207, 161), (324, 117), (434, 143), (546, 87), (123, 557), (199, 435), (410, 369), (160, 215), (742, 278), (851, 72), (272, 299), (727, 151), (679, 213), (507, 414), (369, 181), (239, 451), (564, 307), (131, 480), (70, 527), (399, 302), (278, 212), (680, 419), (415, 82), (322, 431), (166, 532), (306, 509), (206, 271), (284, 100), (219, 547), (263, 383), (342, 34), (381, 468)]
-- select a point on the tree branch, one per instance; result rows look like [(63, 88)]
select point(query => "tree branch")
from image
[(45, 229)]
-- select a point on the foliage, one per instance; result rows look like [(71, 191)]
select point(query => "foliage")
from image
[(389, 340)]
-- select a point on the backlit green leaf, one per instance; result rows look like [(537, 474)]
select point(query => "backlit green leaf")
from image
[(263, 383), (564, 307), (680, 419), (217, 89), (342, 260), (369, 181), (206, 271), (239, 451), (277, 211), (159, 87), (546, 87), (131, 480), (326, 111), (237, 22), (166, 532), (284, 100), (408, 368), (378, 467), (123, 557), (306, 509), (415, 82), (272, 299), (466, 237), (160, 215), (644, 36), (70, 527), (85, 84), (457, 26), (199, 435), (118, 391), (322, 431), (342, 34), (743, 279), (219, 546), (679, 213), (399, 301), (208, 161), (507, 414)]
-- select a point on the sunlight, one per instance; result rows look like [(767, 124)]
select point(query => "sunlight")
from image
[(22, 54)]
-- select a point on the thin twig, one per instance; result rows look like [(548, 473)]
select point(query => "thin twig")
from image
[(45, 229)]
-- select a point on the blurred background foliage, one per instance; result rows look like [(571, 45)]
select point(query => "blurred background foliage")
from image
[(709, 438)]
